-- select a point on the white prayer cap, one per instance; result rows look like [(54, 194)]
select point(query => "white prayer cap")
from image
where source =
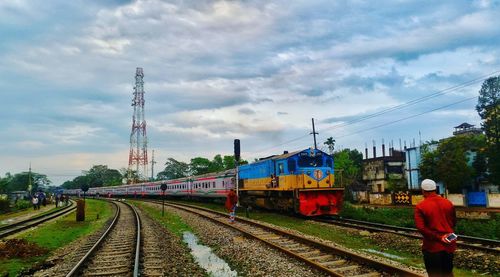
[(428, 185)]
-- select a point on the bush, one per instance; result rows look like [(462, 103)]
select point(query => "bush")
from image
[(392, 216), (22, 204), (485, 228), (4, 206)]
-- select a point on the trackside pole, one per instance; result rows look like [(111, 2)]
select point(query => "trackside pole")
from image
[(163, 187), (236, 162)]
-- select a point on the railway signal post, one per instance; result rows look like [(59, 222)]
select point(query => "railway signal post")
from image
[(163, 188), (236, 162)]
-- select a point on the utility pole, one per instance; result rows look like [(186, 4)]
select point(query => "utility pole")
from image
[(153, 165), (30, 186), (314, 134)]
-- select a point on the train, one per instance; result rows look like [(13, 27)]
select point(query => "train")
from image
[(301, 182)]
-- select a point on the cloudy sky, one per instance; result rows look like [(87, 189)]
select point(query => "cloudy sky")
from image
[(220, 70)]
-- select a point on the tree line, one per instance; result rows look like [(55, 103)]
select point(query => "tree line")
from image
[(21, 182), (466, 161), (101, 175), (198, 166)]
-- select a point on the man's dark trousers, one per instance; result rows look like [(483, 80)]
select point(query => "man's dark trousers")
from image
[(438, 263)]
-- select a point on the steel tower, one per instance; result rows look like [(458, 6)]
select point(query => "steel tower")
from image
[(138, 155)]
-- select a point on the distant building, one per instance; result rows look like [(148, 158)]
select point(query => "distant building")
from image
[(379, 171), (412, 167), (467, 129)]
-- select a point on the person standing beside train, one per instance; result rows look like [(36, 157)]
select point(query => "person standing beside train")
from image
[(435, 219), (231, 201)]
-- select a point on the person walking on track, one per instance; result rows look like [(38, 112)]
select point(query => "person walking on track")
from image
[(435, 219), (231, 201)]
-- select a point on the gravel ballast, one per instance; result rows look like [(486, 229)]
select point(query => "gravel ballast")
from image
[(247, 256)]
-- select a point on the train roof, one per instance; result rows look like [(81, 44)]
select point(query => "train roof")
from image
[(288, 155)]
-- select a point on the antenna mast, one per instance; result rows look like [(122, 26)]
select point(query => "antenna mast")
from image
[(138, 155)]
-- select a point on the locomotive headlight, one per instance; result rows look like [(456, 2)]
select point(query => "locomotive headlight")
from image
[(309, 182), (328, 181)]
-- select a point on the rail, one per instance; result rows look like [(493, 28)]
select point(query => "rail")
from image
[(489, 245), (94, 248), (13, 228)]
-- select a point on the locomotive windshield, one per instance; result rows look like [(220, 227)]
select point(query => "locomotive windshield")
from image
[(306, 161)]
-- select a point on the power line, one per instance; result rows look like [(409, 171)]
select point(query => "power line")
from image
[(414, 101), (397, 107), (408, 117)]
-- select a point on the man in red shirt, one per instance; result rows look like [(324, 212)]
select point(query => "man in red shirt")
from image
[(231, 202), (435, 219)]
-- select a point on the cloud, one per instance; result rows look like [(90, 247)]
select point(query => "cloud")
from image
[(219, 70)]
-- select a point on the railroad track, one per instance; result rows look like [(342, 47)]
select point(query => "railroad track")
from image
[(116, 252), (326, 258), (17, 227), (488, 245)]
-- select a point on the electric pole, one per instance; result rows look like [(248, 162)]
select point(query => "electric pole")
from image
[(314, 134), (153, 165)]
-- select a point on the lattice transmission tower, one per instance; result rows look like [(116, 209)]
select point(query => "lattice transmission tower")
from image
[(138, 156)]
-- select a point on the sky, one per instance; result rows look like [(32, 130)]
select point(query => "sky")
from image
[(215, 71)]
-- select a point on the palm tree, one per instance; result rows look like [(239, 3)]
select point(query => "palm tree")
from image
[(330, 142)]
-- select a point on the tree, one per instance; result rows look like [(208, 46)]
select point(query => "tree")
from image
[(101, 175), (452, 164), (199, 166), (488, 108), (449, 162), (348, 164), (228, 162), (217, 164), (330, 142), (4, 183), (428, 164), (173, 169), (21, 181)]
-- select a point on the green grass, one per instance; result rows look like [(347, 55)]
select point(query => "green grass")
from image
[(59, 233), (171, 221), (485, 228)]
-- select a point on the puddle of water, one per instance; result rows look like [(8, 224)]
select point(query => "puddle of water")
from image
[(204, 256), (384, 254)]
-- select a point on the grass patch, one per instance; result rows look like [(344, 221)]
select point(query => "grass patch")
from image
[(485, 228), (58, 233), (172, 222)]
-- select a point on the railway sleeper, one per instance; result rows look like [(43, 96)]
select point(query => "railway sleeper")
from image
[(346, 268), (107, 273), (322, 257), (369, 274), (310, 253), (333, 263)]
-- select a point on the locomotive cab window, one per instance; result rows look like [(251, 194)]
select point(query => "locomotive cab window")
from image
[(306, 161), (329, 162), (281, 168), (292, 166)]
